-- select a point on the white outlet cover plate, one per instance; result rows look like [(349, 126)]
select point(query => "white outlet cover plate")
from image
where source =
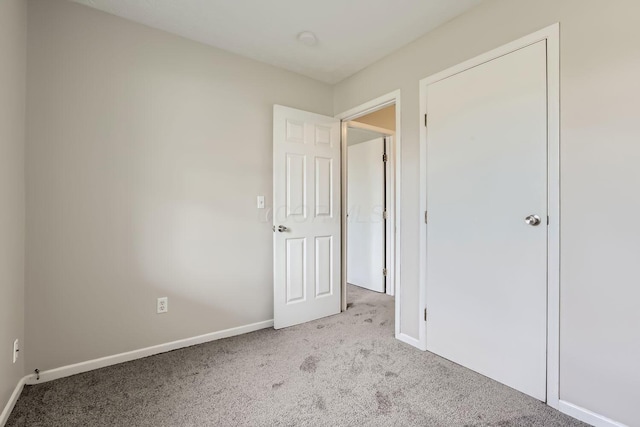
[(260, 202), (16, 350), (163, 305)]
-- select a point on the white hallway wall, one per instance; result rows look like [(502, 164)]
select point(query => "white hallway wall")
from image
[(145, 155), (600, 101), (13, 65)]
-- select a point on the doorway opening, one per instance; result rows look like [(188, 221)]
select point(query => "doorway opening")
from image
[(370, 199), (310, 199)]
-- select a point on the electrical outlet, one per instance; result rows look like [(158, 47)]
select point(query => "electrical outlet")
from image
[(16, 350), (163, 305)]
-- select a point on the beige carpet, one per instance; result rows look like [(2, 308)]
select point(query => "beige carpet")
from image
[(344, 370)]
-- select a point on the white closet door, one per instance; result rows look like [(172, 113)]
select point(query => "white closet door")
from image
[(486, 256)]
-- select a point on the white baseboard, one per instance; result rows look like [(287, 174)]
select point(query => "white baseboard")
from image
[(410, 340), (587, 416), (4, 416), (78, 368)]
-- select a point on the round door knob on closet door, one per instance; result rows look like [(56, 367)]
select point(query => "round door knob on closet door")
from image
[(282, 228), (532, 220)]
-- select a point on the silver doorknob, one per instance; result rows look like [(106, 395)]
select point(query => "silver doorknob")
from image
[(282, 228), (532, 220)]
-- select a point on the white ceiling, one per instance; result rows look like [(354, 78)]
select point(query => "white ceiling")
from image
[(352, 33)]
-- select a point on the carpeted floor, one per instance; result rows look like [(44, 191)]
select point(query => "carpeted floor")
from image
[(344, 370)]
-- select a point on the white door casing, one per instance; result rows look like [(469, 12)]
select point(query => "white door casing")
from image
[(306, 206), (365, 229), (486, 276)]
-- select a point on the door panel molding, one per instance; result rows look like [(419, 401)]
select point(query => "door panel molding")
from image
[(552, 36)]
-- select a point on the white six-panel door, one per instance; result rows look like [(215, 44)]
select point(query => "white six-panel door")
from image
[(306, 216), (365, 223), (486, 174)]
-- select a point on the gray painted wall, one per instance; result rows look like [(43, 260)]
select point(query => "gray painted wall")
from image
[(145, 155), (133, 134), (13, 63), (600, 96)]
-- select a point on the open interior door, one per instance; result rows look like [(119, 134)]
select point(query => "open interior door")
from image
[(366, 223), (306, 216)]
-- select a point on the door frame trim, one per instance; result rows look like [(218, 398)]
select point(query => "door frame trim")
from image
[(391, 98), (552, 36)]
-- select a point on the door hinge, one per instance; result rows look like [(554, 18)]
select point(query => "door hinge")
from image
[(548, 220), (385, 157), (384, 272), (425, 120), (425, 217), (425, 314), (385, 214)]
